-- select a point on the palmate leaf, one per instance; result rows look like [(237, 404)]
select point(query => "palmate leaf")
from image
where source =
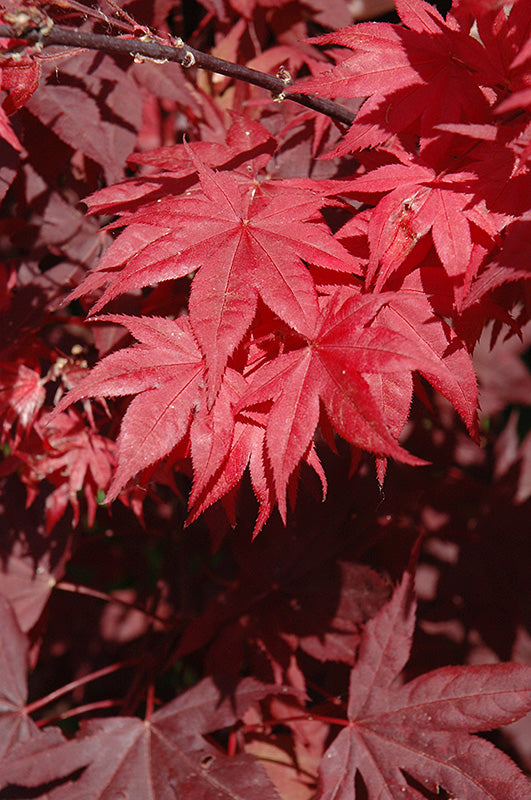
[(15, 726), (360, 336), (443, 358), (27, 585), (6, 131), (246, 240), (315, 602), (426, 73), (329, 369), (22, 395), (417, 201), (100, 118), (74, 458), (164, 370), (160, 758), (422, 729)]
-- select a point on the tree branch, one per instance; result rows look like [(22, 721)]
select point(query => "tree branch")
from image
[(180, 52)]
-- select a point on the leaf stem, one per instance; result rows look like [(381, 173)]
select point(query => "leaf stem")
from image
[(305, 717), (75, 712), (181, 53), (68, 687)]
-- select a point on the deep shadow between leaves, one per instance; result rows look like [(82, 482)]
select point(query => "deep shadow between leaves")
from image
[(16, 792)]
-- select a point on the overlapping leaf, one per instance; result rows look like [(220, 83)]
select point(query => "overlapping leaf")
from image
[(163, 757), (15, 726), (443, 358), (101, 118), (417, 201), (351, 366), (426, 73), (75, 458), (27, 585), (330, 369), (247, 242), (22, 395), (315, 602), (165, 371), (422, 729), (19, 77)]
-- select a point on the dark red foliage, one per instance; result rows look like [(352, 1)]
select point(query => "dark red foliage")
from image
[(264, 522)]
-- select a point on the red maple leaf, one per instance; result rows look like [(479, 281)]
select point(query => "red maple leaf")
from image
[(165, 371), (246, 142), (19, 77), (99, 123), (446, 363), (170, 413), (72, 457), (422, 728), (358, 365), (6, 131), (248, 240), (28, 585), (15, 725), (22, 395), (508, 264), (417, 201), (507, 42), (149, 758), (330, 368), (427, 73), (291, 592), (246, 451)]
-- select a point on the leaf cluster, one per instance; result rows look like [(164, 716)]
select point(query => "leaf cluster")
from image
[(265, 486)]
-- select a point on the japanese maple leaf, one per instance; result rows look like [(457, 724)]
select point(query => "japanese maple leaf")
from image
[(507, 41), (162, 757), (73, 458), (248, 147), (445, 361), (496, 171), (19, 79), (509, 263), (246, 242), (22, 395), (422, 728), (15, 725), (99, 118), (165, 370), (427, 73), (329, 369), (419, 201), (247, 451), (28, 584), (248, 143)]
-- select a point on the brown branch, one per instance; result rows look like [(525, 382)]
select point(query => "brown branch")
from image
[(183, 54)]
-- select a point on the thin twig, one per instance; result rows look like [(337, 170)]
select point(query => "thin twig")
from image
[(100, 673), (182, 54), (76, 712)]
